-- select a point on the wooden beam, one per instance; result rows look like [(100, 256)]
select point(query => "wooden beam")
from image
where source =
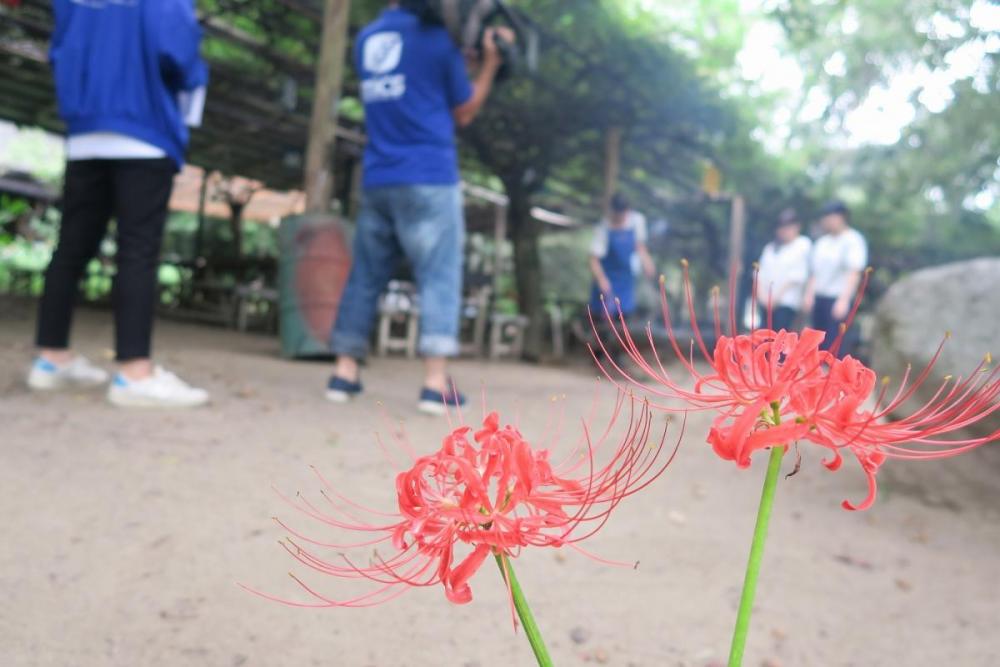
[(322, 128)]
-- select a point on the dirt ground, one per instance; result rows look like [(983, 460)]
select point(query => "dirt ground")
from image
[(126, 532)]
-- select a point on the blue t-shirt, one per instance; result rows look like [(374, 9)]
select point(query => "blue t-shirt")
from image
[(412, 77)]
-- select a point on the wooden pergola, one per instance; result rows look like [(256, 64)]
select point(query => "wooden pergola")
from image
[(260, 113)]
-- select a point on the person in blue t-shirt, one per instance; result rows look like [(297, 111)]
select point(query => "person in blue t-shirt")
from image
[(129, 79), (415, 90)]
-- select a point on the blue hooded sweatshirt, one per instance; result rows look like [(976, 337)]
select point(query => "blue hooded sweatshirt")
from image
[(120, 64)]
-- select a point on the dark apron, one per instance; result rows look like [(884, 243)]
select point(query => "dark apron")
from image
[(617, 264)]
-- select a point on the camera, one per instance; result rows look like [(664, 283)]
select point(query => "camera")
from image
[(467, 21)]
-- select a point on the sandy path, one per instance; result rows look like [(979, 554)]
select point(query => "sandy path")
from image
[(125, 532)]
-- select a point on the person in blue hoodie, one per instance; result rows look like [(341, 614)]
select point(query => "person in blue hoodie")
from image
[(129, 78)]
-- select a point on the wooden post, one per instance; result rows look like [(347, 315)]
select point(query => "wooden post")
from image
[(612, 166), (199, 239), (499, 241), (737, 240), (323, 127)]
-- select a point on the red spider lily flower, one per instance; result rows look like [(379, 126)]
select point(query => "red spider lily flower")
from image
[(482, 493), (772, 388)]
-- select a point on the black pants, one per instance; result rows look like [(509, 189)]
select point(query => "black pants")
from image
[(782, 317), (823, 320), (135, 193)]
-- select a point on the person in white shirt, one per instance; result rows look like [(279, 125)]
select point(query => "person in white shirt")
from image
[(839, 257), (783, 273)]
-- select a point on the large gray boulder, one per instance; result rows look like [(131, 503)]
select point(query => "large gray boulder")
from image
[(918, 312)]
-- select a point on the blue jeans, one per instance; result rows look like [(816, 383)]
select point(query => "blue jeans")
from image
[(426, 224)]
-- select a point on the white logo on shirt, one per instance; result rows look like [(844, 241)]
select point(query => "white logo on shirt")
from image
[(383, 88), (382, 52)]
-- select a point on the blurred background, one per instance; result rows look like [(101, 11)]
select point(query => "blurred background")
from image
[(126, 530), (890, 106)]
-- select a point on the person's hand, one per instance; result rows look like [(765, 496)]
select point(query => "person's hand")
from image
[(841, 309), (491, 51), (808, 302), (605, 286), (648, 267)]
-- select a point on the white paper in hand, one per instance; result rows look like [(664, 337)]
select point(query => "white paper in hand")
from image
[(192, 106)]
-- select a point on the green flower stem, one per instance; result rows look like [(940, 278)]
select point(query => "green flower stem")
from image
[(756, 556), (524, 612)]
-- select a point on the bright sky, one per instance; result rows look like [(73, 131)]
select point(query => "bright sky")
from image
[(888, 109), (880, 118)]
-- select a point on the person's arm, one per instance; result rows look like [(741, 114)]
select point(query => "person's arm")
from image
[(764, 277), (857, 258), (646, 259), (598, 249), (483, 85), (842, 306), (179, 46), (641, 248), (809, 299), (600, 276)]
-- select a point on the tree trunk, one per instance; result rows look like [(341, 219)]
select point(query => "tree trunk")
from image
[(236, 226), (322, 128), (528, 269)]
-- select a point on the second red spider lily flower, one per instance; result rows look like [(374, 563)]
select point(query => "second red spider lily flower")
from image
[(773, 388), (486, 492)]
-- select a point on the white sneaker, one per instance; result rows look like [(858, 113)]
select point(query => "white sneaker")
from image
[(163, 389), (47, 376)]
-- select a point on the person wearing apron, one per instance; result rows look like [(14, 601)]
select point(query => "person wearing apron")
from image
[(617, 267), (619, 246)]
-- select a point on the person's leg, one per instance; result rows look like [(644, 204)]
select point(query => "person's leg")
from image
[(823, 320), (142, 194), (783, 318), (87, 207), (850, 338), (430, 225), (376, 254)]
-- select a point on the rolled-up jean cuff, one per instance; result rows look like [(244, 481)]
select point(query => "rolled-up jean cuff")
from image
[(349, 346), (438, 346)]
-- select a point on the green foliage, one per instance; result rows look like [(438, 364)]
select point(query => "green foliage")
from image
[(543, 136), (932, 196), (597, 72), (565, 266), (37, 152)]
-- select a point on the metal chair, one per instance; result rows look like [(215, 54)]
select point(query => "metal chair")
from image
[(399, 320)]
